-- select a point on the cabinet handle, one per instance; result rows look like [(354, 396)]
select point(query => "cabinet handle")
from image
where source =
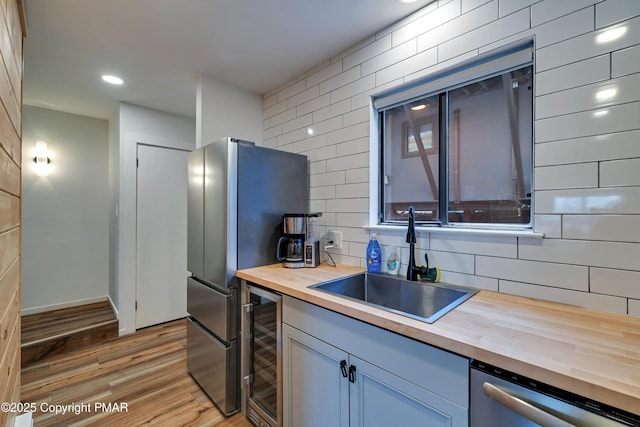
[(343, 368), (352, 374)]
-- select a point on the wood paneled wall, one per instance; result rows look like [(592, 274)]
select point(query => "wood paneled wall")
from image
[(12, 30)]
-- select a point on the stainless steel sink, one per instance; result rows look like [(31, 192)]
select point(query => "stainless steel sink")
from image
[(424, 301)]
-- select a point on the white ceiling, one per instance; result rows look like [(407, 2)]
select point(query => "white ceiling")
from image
[(161, 47)]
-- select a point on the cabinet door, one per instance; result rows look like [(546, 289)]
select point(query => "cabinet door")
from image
[(379, 398), (314, 391)]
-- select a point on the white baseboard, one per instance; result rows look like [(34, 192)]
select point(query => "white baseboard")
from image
[(35, 310)]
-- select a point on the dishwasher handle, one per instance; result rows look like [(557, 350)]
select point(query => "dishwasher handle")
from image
[(523, 408)]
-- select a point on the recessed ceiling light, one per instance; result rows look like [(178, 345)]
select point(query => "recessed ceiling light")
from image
[(112, 79), (407, 1), (418, 107)]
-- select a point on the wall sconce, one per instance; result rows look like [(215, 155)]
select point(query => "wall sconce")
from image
[(41, 159)]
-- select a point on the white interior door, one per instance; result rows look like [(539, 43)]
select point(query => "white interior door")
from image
[(161, 248)]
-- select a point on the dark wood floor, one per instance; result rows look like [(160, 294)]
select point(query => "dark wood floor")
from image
[(144, 375)]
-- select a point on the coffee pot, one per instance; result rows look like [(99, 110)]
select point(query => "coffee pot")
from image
[(291, 244)]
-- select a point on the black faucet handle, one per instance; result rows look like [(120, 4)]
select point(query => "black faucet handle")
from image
[(411, 229)]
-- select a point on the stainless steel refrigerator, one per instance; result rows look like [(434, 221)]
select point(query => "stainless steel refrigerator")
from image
[(237, 195)]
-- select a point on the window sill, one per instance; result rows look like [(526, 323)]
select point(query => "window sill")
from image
[(458, 231)]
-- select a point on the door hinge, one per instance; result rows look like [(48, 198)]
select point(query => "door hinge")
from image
[(247, 308), (248, 379), (137, 162), (136, 305)]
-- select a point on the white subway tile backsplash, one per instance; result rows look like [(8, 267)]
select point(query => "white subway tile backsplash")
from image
[(291, 137), (389, 57), (598, 95), (326, 126), (549, 10), (486, 283), (313, 105), (291, 90), (324, 153), (294, 123), (359, 160), (581, 175), (369, 51), (634, 307), (340, 80), (331, 111), (612, 228), (325, 192), (625, 61), (581, 252), (360, 130), (610, 146), (410, 65), (304, 96), (622, 283), (348, 205), (508, 7), (459, 25), (481, 245), (536, 272), (607, 120), (504, 27), (357, 87), (275, 109), (307, 144), (613, 11), (350, 219), (427, 22), (620, 173), (577, 298), (576, 74), (452, 262), (622, 200), (360, 145), (586, 194), (468, 5), (566, 27), (358, 175), (550, 225), (360, 115), (324, 74), (352, 191), (585, 46), (324, 179)]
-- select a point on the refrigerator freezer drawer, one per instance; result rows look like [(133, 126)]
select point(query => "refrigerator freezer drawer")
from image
[(213, 366), (215, 310)]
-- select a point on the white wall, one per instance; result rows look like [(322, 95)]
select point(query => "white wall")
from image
[(147, 126), (225, 110), (586, 180), (65, 238)]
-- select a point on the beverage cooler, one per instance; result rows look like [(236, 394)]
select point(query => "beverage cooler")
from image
[(262, 355)]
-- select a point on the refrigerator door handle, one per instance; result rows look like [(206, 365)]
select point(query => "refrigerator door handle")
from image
[(522, 407)]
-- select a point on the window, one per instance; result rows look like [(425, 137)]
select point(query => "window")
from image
[(458, 147)]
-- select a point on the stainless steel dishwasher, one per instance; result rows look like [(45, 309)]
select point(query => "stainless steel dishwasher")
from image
[(502, 398)]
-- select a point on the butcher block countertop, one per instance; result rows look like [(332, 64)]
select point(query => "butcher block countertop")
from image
[(590, 353)]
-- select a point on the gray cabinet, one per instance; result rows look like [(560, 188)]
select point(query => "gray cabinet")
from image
[(339, 371)]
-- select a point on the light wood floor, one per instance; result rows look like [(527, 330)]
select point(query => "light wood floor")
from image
[(146, 371)]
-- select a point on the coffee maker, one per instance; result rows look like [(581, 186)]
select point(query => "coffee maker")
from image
[(298, 247), (291, 244)]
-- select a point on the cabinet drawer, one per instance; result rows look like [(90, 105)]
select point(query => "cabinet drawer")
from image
[(439, 371), (213, 366), (215, 310)]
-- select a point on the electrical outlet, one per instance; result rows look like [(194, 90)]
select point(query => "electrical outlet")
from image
[(336, 236)]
